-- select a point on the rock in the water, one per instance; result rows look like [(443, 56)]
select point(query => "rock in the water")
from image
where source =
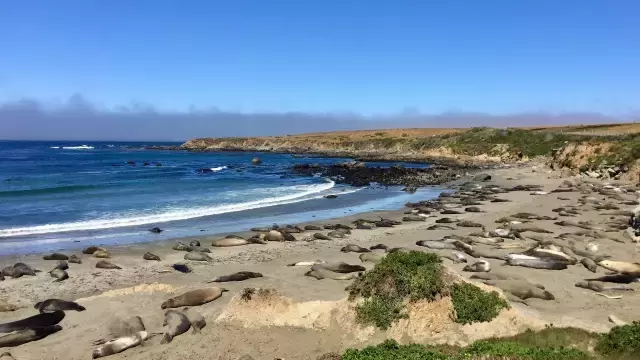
[(256, 161), (331, 196), (156, 230)]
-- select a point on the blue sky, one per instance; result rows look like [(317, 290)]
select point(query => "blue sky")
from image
[(495, 56)]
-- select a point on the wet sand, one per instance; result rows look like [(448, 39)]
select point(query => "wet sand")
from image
[(141, 286)]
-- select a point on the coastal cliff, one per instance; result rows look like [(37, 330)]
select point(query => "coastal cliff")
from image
[(596, 150)]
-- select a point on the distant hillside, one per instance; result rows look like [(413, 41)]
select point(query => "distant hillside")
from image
[(579, 148)]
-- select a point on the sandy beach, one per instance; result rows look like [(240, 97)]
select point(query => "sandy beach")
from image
[(141, 286)]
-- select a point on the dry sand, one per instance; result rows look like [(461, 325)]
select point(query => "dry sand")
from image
[(305, 317)]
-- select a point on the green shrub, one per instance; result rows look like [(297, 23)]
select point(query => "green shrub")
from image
[(507, 349), (472, 304), (621, 340), (399, 276), (391, 350)]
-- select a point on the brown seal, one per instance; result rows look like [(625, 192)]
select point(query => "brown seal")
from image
[(598, 286), (62, 265), (354, 248), (239, 276), (321, 236), (51, 305), (339, 267), (589, 264), (150, 256), (478, 266), (103, 264), (60, 275), (101, 254), (25, 269), (194, 297), (35, 321), (327, 274), (196, 319), (27, 335), (75, 259), (197, 256), (120, 344), (91, 249), (176, 323), (55, 256)]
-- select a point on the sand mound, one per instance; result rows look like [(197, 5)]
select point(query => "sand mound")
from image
[(428, 322), (142, 288)]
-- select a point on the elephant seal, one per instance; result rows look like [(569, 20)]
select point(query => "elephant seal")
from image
[(194, 297), (6, 356), (239, 276), (179, 246), (456, 257), (313, 227), (120, 344), (446, 220), (55, 256), (150, 256), (622, 267), (354, 248), (337, 234), (478, 266), (196, 319), (598, 286), (35, 321), (321, 236), (100, 254), (526, 227), (198, 249), (51, 305), (28, 335), (176, 323), (75, 259), (60, 275), (194, 243), (91, 249), (617, 278), (181, 268), (537, 264), (62, 265), (521, 289), (589, 264), (362, 226), (25, 269), (371, 257), (467, 223), (410, 218), (339, 267), (497, 276), (379, 247), (11, 272), (197, 256), (103, 264), (307, 263), (473, 209), (274, 235), (451, 212), (327, 274), (436, 245), (552, 255)]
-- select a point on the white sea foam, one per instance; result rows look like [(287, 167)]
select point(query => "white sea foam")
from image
[(81, 147), (304, 192), (54, 147), (218, 168)]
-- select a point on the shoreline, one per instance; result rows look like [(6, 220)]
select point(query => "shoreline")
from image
[(139, 288)]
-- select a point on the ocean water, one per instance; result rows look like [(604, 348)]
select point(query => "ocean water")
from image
[(62, 195)]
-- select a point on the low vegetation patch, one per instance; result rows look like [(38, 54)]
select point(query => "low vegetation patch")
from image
[(472, 304), (405, 277), (621, 342)]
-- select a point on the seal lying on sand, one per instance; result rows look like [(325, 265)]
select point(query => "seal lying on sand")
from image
[(589, 264), (150, 256), (598, 286), (120, 344), (103, 264), (478, 266), (62, 265), (537, 264), (176, 323), (181, 268), (55, 256), (617, 278), (27, 335), (52, 305), (313, 227), (321, 236), (197, 256), (436, 245), (196, 319), (339, 267), (60, 275), (35, 321), (239, 276), (194, 297), (497, 276), (91, 249), (354, 248), (622, 267), (521, 289), (327, 274), (25, 269), (75, 259), (101, 254), (371, 257), (307, 263)]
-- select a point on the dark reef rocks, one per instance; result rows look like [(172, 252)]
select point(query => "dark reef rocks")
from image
[(358, 174)]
